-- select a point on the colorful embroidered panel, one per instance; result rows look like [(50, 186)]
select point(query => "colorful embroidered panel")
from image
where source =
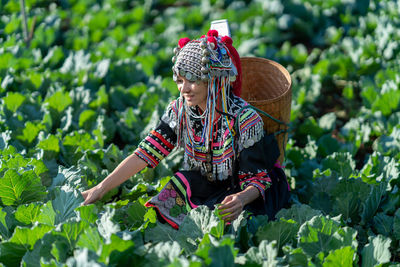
[(173, 202), (160, 142), (157, 145)]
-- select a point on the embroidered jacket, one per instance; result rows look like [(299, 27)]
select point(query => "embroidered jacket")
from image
[(164, 138)]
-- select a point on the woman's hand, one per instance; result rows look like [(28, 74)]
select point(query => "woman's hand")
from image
[(93, 194), (127, 168), (233, 205)]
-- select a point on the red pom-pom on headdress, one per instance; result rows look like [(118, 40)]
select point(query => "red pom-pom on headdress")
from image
[(212, 33), (183, 41), (227, 40)]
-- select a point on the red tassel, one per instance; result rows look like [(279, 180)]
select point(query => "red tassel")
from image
[(183, 41), (212, 33), (227, 40), (237, 85)]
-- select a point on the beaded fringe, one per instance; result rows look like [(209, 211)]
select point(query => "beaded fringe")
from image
[(224, 169), (251, 136)]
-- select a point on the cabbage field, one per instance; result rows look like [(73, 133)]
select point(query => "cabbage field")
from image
[(82, 82)]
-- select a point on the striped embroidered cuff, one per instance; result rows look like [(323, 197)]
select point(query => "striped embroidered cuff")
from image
[(248, 120), (261, 181), (154, 148)]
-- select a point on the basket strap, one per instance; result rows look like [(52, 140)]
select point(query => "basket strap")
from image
[(267, 115), (262, 112)]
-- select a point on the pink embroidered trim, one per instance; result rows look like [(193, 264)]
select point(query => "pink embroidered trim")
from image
[(278, 165), (189, 192), (174, 225), (156, 144)]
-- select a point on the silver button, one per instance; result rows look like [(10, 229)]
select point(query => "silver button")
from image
[(210, 177)]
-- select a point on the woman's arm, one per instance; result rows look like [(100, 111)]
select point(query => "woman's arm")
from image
[(234, 204), (126, 169), (150, 151)]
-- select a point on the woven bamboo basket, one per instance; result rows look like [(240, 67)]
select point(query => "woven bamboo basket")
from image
[(267, 85)]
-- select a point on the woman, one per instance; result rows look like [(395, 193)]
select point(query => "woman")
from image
[(221, 162)]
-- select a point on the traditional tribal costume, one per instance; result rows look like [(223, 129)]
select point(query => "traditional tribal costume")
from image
[(209, 137)]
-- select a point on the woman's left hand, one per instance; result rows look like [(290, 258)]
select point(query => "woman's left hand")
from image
[(231, 207)]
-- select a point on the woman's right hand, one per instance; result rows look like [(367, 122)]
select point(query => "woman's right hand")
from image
[(93, 194), (127, 168)]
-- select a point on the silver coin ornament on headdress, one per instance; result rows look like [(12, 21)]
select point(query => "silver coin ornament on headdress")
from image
[(202, 59)]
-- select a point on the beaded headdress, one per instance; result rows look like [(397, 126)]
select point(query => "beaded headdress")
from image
[(212, 59), (208, 57)]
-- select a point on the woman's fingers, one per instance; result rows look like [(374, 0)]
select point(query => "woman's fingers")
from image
[(227, 205), (90, 199), (87, 198), (231, 216), (227, 199), (91, 195), (231, 207), (228, 208)]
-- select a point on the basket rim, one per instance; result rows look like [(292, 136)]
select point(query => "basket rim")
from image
[(284, 71)]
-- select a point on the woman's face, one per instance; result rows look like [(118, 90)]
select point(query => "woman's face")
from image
[(195, 94)]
